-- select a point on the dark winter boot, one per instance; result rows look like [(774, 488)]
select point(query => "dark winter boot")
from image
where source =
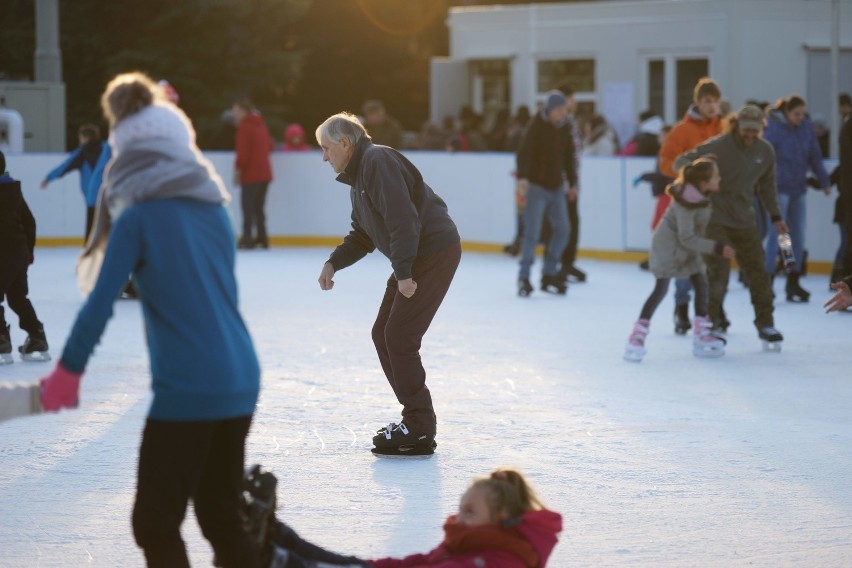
[(795, 293), (35, 346), (5, 347), (681, 319), (524, 287)]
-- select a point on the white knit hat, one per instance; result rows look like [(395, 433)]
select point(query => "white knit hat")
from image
[(161, 120)]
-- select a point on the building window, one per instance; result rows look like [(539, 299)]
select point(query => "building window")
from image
[(657, 86), (579, 73), (689, 71)]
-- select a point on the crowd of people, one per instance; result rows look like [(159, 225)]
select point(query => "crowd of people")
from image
[(728, 185)]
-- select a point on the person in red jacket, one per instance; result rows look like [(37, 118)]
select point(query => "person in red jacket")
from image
[(500, 522), (252, 171)]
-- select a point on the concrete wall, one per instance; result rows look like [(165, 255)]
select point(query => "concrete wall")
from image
[(307, 206)]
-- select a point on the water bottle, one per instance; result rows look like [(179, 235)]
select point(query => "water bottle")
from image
[(785, 248)]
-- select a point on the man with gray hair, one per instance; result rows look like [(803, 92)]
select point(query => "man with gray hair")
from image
[(747, 166), (393, 210)]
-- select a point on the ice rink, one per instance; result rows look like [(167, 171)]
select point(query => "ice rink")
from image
[(740, 461)]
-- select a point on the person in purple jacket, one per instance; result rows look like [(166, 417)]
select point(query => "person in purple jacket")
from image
[(160, 217), (395, 211), (792, 136)]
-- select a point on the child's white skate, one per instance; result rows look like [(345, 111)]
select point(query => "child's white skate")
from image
[(635, 349), (771, 338), (704, 342)]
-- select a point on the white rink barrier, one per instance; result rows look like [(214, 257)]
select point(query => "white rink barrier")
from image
[(305, 204)]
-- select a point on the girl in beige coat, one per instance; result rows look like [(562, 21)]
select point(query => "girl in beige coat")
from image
[(676, 251)]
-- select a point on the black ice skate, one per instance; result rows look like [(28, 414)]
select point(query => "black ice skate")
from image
[(399, 440), (681, 319), (771, 339), (35, 346), (554, 284), (5, 347), (524, 287), (258, 505), (574, 274), (795, 292)]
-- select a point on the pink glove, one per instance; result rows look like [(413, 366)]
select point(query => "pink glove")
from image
[(60, 389)]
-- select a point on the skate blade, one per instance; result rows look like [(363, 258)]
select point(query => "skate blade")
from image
[(404, 456), (36, 357), (708, 353), (633, 356), (406, 451), (772, 346)]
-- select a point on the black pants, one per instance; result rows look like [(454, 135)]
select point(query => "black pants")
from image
[(202, 461), (254, 218), (14, 287), (699, 282), (569, 255), (399, 329)]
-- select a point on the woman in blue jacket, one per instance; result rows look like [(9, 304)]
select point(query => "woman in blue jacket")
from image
[(791, 134), (160, 217)]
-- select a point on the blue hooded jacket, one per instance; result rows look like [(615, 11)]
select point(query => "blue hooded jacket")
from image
[(796, 152)]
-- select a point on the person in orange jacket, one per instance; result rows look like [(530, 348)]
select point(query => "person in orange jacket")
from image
[(700, 123), (252, 171)]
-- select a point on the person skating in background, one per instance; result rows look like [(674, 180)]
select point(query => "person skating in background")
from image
[(797, 150), (646, 141), (84, 158), (657, 180), (599, 139), (161, 217), (676, 250), (500, 522), (252, 171), (545, 164), (395, 211), (572, 135), (747, 166), (700, 123), (844, 188), (382, 127), (17, 245), (514, 135), (294, 139)]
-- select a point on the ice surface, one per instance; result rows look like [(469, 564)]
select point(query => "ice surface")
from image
[(677, 461)]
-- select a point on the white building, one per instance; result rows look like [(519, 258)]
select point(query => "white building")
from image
[(625, 56)]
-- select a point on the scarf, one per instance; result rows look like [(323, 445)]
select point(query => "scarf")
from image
[(145, 170)]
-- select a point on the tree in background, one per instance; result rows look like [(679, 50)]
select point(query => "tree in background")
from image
[(298, 60)]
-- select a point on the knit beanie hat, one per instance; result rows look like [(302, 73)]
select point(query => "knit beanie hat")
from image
[(554, 100), (160, 121)]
